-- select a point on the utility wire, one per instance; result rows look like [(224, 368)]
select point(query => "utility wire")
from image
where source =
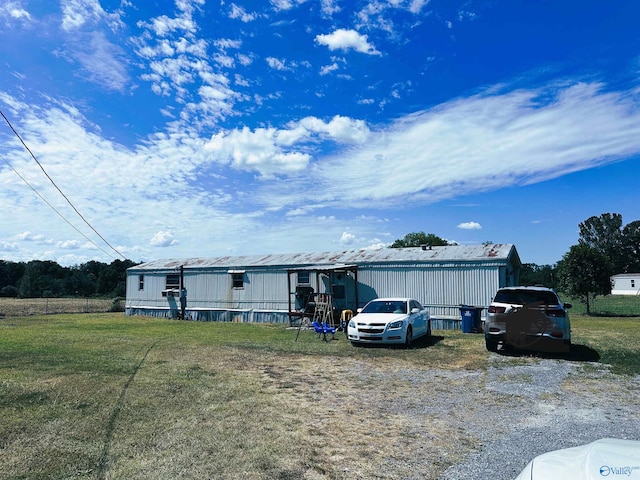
[(58, 188), (53, 208)]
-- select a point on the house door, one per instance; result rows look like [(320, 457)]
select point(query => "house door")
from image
[(343, 288)]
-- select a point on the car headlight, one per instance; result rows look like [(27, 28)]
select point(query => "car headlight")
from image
[(396, 324), (352, 324)]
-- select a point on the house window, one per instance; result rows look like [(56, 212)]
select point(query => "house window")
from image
[(303, 278), (237, 279), (173, 281), (140, 282), (633, 284)]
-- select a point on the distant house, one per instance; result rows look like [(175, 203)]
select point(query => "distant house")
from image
[(275, 288), (625, 284)]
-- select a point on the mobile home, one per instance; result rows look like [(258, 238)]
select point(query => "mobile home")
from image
[(275, 288), (625, 284)]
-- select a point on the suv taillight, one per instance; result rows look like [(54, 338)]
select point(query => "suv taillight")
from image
[(555, 312), (493, 309)]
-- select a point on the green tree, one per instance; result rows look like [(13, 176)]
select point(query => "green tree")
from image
[(631, 247), (604, 234), (533, 274), (416, 239), (585, 273), (11, 273)]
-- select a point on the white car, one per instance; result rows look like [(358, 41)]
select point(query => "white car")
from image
[(604, 458), (389, 320)]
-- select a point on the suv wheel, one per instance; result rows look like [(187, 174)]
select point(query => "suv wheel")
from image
[(492, 344)]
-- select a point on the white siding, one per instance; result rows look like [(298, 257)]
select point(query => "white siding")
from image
[(471, 285), (442, 285), (625, 284)]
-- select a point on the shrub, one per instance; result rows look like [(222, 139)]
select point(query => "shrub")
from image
[(117, 305), (9, 291)]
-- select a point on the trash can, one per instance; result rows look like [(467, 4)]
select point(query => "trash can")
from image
[(471, 322)]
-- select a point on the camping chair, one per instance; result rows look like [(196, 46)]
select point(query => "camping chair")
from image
[(323, 328), (328, 329), (317, 327)]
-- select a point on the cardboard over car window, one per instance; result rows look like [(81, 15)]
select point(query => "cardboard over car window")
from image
[(607, 458)]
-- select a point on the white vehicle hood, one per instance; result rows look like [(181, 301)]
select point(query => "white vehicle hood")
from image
[(604, 458)]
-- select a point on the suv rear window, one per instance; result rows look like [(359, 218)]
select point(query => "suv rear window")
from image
[(521, 297)]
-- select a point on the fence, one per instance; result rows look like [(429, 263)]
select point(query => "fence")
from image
[(18, 307), (610, 306)]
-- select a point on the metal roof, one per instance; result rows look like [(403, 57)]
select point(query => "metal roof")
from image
[(450, 253)]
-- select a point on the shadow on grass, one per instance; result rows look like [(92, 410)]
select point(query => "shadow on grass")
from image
[(578, 353), (418, 343)]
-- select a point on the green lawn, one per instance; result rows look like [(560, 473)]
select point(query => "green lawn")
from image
[(108, 396), (609, 305)]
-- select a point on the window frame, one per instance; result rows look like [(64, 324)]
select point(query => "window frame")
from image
[(173, 285), (237, 279), (301, 277)]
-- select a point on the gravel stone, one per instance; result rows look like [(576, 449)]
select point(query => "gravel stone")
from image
[(539, 413)]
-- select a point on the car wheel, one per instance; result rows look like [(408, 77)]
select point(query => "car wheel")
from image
[(492, 344), (408, 338)]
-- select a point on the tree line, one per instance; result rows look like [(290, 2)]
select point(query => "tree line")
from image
[(45, 278)]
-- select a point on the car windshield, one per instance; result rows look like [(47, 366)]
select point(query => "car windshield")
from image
[(522, 297), (386, 306)]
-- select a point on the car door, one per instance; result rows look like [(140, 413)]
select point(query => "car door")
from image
[(417, 319)]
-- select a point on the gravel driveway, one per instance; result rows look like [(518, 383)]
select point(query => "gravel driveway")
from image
[(544, 405), (389, 419)]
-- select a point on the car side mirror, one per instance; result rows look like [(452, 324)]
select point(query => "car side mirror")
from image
[(415, 310), (359, 310), (567, 305)]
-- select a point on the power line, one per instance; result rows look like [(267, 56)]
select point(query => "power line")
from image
[(53, 208), (59, 190)]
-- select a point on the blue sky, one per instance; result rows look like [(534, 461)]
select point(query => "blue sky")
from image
[(205, 128)]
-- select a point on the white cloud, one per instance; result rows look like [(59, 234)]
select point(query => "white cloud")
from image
[(285, 4), (276, 63), (329, 7), (179, 65), (163, 239), (77, 13), (245, 60), (272, 151), (14, 10), (256, 151), (223, 60), (497, 139), (225, 43), (328, 68), (347, 238), (470, 226), (342, 39), (68, 245), (416, 5), (238, 12), (102, 61), (28, 236)]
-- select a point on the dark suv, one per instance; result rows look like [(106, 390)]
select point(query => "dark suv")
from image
[(528, 318)]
